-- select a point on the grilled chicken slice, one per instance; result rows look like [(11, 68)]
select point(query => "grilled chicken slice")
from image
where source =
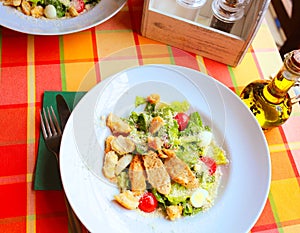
[(123, 162), (157, 174), (137, 175), (117, 125), (155, 124), (180, 172), (108, 143), (155, 143), (122, 145), (110, 162)]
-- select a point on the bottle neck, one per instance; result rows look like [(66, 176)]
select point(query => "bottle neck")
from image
[(278, 88)]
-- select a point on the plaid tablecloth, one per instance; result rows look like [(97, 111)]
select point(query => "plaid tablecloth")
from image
[(30, 65)]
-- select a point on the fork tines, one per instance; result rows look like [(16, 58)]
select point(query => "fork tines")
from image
[(49, 123)]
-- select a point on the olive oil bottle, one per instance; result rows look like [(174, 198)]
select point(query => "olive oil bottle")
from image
[(269, 100)]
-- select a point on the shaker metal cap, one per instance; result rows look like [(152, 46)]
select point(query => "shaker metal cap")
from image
[(292, 61), (296, 58)]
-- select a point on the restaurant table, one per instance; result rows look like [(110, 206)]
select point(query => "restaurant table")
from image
[(31, 65)]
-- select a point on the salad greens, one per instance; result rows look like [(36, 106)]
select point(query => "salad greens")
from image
[(194, 145), (61, 9), (52, 9)]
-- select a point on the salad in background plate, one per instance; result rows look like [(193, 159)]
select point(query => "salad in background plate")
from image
[(51, 9), (163, 159)]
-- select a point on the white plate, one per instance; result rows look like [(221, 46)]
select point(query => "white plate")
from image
[(246, 180), (15, 20)]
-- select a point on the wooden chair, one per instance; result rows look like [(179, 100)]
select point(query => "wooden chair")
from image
[(290, 25)]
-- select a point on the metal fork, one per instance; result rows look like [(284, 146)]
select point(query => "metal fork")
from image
[(52, 134), (51, 131)]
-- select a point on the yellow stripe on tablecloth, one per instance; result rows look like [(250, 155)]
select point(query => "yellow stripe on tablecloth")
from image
[(30, 219), (264, 39), (75, 49), (246, 72), (201, 64), (80, 76), (270, 63), (282, 147), (292, 229), (286, 199), (109, 42)]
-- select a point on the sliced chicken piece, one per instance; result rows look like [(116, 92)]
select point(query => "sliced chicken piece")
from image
[(168, 152), (165, 153), (180, 172), (123, 162), (117, 125), (155, 143), (127, 200), (157, 174), (137, 175), (174, 212), (155, 124), (110, 163), (122, 145), (108, 143), (161, 154)]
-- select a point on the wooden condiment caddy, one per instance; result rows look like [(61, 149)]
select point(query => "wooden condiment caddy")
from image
[(161, 22)]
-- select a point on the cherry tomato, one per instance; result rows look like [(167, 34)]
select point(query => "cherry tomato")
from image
[(210, 163), (78, 5), (147, 202), (182, 120)]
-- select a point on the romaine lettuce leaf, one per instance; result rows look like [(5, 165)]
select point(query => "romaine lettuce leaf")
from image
[(139, 121), (194, 126), (180, 106), (139, 101), (189, 210), (173, 132), (189, 157), (123, 180), (196, 118), (178, 194), (219, 155)]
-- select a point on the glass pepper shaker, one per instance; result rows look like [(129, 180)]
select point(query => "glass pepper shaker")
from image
[(269, 100), (226, 13), (189, 9)]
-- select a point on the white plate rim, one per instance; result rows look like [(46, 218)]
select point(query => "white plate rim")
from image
[(64, 163)]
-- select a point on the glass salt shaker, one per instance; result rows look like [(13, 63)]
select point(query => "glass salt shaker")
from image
[(189, 9)]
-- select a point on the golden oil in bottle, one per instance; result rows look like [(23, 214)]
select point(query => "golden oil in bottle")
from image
[(270, 101)]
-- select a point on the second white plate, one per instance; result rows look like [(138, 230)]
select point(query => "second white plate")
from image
[(16, 20)]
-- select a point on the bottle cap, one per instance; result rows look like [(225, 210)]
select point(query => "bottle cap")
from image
[(296, 58), (292, 60)]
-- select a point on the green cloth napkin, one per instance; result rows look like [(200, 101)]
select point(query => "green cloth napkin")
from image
[(47, 175)]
